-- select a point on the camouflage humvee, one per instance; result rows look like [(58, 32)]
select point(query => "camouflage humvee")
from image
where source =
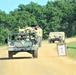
[(22, 42), (56, 36)]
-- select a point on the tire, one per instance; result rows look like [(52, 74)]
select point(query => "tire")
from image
[(63, 41), (53, 41), (49, 41), (60, 40), (10, 54), (40, 43), (35, 54)]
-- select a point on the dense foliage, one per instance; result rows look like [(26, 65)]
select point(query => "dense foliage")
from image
[(58, 15)]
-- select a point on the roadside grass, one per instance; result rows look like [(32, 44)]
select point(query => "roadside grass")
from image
[(71, 49), (3, 45)]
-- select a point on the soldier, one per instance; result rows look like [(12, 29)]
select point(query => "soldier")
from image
[(36, 27)]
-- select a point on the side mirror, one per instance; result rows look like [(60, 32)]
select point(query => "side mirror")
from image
[(6, 40)]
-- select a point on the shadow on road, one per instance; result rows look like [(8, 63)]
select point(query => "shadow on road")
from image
[(6, 58)]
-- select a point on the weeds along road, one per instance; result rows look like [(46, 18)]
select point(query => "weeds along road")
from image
[(47, 63)]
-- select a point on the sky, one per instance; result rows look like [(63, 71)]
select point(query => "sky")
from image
[(10, 5)]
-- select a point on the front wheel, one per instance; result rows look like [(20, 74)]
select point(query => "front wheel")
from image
[(49, 41), (40, 43)]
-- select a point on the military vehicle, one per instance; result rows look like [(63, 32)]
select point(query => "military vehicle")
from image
[(56, 36), (22, 42), (36, 29), (28, 39)]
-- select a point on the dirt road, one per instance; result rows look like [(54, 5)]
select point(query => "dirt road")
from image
[(47, 63)]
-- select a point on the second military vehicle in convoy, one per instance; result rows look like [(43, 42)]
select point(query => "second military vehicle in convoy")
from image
[(36, 29)]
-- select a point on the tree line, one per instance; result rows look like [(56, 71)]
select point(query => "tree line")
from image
[(58, 15)]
